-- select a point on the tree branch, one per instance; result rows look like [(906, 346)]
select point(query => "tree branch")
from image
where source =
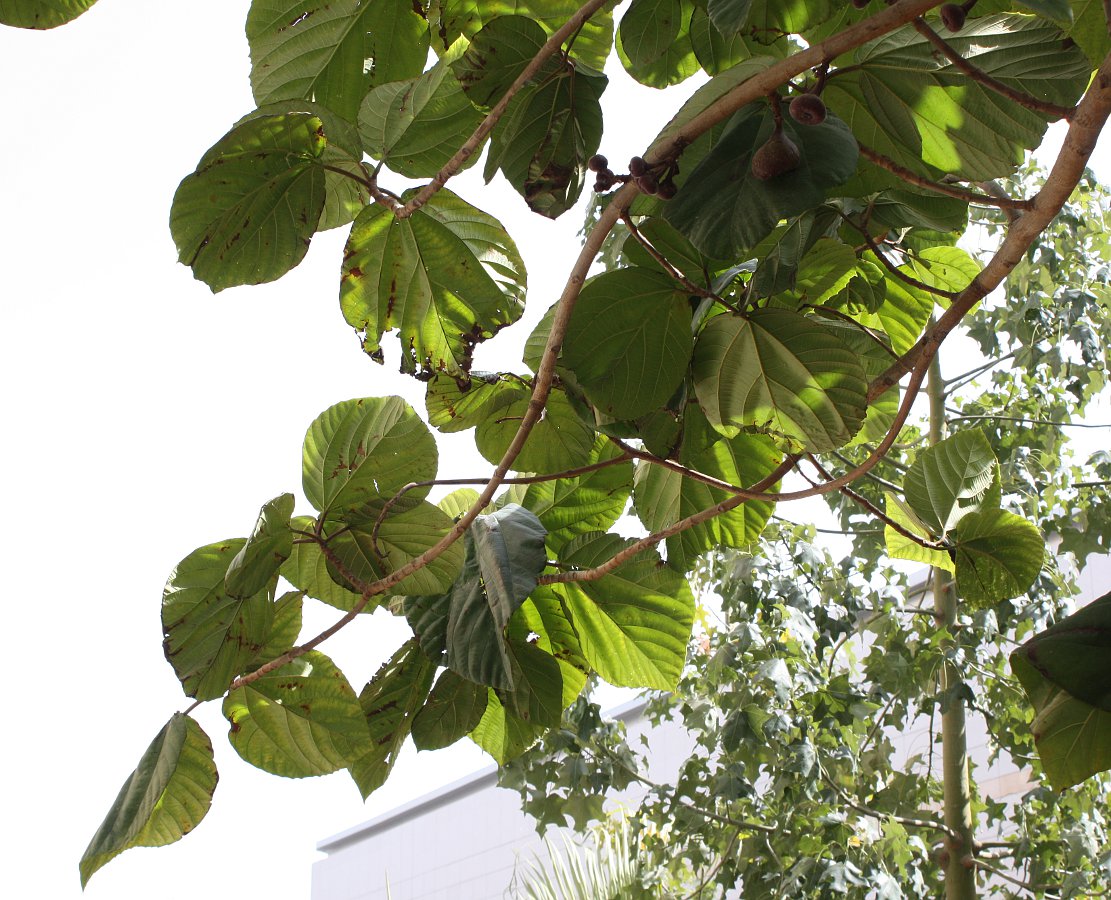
[(474, 142), (948, 190), (1052, 110), (667, 266)]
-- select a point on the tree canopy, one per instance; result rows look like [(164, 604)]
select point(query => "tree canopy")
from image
[(781, 269)]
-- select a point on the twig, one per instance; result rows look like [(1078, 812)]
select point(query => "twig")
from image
[(1052, 110), (867, 504), (949, 190), (667, 266), (474, 142), (864, 329), (876, 814), (1036, 889), (1027, 421), (894, 269)]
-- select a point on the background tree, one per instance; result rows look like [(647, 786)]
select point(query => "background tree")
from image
[(785, 286)]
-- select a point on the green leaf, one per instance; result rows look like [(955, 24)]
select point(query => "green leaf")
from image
[(946, 268), (824, 271), (537, 692), (1073, 737), (497, 55), (389, 701), (633, 624), (246, 215), (1090, 31), (902, 315), (717, 52), (1060, 10), (662, 497), (503, 735), (457, 404), (41, 14), (333, 52), (270, 544), (162, 800), (428, 617), (447, 278), (402, 537), (729, 15), (951, 479), (504, 555), (344, 194), (780, 371), (415, 126), (545, 138), (284, 630), (307, 570), (653, 42), (211, 636), (452, 711), (558, 442), (1074, 652), (629, 341), (591, 45), (900, 546), (723, 208), (678, 251), (782, 251), (359, 453), (593, 501), (458, 502), (300, 720), (911, 104), (999, 555)]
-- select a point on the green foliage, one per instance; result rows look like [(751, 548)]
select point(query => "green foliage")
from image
[(763, 277)]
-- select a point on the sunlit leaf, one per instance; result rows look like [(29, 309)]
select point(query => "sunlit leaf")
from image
[(780, 371), (269, 545), (446, 278), (334, 51), (502, 734), (300, 720), (629, 341), (951, 479), (246, 215), (169, 792), (359, 453), (390, 701), (41, 14), (496, 57), (900, 546), (558, 442), (211, 636), (999, 555), (307, 570)]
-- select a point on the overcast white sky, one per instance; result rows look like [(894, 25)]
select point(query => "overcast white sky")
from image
[(146, 417)]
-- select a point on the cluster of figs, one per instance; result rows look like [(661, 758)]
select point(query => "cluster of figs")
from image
[(776, 156)]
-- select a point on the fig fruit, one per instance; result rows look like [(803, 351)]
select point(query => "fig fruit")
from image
[(776, 157), (808, 109), (952, 17), (637, 166), (598, 163)]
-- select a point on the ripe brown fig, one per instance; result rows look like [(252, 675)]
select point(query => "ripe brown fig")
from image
[(776, 157), (598, 163), (808, 109), (667, 190), (637, 166), (952, 17), (648, 183)]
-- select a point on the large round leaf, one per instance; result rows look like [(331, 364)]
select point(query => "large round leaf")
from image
[(359, 453), (951, 479), (780, 371), (247, 214), (559, 441), (332, 51), (447, 278), (633, 624), (211, 636), (653, 41), (299, 720), (496, 57), (452, 711), (163, 799), (629, 341), (269, 545), (998, 554)]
